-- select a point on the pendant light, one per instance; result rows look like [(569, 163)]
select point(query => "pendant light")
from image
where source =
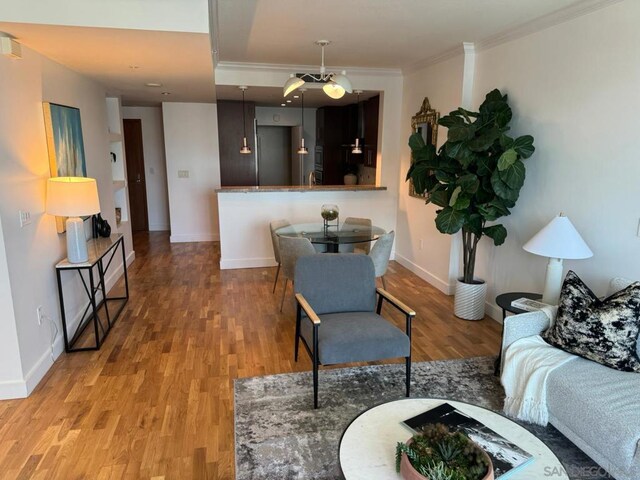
[(357, 149), (302, 150), (245, 149)]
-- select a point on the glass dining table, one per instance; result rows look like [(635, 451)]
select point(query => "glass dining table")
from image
[(334, 235)]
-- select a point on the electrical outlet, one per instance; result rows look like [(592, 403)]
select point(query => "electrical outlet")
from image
[(40, 313), (183, 173), (25, 218)]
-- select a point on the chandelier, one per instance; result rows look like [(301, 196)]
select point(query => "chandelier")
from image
[(335, 84)]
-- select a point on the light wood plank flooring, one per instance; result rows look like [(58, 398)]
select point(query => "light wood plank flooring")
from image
[(157, 400)]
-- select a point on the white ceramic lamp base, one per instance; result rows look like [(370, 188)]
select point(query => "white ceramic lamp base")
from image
[(76, 241), (553, 282)]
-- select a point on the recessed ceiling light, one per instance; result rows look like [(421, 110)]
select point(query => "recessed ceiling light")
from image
[(296, 96), (166, 93), (152, 84), (134, 67), (283, 104), (288, 101)]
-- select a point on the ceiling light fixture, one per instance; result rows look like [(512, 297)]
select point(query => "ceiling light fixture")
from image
[(302, 150), (152, 84), (245, 149), (357, 149), (335, 84), (166, 93)]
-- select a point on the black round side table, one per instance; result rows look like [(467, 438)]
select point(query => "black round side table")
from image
[(504, 302)]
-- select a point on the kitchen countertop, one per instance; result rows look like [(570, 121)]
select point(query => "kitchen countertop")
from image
[(301, 188)]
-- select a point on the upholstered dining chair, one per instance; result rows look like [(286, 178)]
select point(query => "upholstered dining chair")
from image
[(363, 247), (338, 318), (380, 254), (275, 241), (291, 249)]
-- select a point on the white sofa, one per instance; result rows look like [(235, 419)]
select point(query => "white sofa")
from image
[(596, 407)]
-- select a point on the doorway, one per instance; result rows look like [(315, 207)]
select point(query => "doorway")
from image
[(139, 215), (274, 155)]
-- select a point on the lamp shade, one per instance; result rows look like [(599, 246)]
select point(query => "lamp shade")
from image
[(292, 84), (342, 80), (72, 196), (333, 90), (559, 239)]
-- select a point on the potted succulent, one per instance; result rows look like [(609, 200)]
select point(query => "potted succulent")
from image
[(436, 453), (475, 178)]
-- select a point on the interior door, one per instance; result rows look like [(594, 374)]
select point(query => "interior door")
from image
[(274, 155), (138, 215)]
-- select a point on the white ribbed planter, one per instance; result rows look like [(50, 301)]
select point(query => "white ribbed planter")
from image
[(469, 300)]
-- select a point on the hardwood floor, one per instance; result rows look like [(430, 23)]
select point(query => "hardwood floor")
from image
[(157, 400)]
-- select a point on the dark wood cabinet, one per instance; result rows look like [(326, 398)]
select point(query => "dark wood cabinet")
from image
[(236, 169), (371, 118), (331, 131)]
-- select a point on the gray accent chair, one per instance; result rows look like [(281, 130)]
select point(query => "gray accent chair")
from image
[(596, 407), (338, 318), (362, 247), (380, 254), (291, 249), (275, 241)]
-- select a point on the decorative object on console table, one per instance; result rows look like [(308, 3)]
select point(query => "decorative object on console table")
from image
[(558, 240), (73, 197), (65, 144), (475, 178), (329, 214)]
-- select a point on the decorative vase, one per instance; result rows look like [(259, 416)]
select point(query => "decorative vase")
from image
[(470, 299), (330, 213), (409, 473), (350, 179)]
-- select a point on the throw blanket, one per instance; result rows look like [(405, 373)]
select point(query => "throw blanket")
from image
[(526, 367)]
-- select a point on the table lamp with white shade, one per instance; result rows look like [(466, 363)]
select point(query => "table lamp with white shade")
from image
[(73, 197), (558, 240)]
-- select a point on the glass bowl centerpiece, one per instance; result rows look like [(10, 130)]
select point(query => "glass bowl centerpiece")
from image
[(330, 213)]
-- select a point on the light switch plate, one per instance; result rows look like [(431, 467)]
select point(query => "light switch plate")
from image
[(183, 173), (25, 218)]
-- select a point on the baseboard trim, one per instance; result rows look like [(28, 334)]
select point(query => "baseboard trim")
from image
[(247, 263), (493, 310), (427, 276), (10, 390), (194, 237)]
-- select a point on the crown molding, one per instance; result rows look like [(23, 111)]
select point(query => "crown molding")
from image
[(546, 21), (538, 24), (285, 68)]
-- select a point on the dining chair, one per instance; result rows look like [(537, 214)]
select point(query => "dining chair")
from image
[(291, 249), (275, 241), (338, 317), (362, 246), (380, 254)]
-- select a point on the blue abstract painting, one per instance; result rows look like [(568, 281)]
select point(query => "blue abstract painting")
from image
[(64, 139)]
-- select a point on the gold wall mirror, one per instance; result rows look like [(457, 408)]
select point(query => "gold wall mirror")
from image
[(425, 122)]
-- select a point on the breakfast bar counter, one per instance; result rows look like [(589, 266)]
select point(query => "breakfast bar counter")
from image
[(301, 188)]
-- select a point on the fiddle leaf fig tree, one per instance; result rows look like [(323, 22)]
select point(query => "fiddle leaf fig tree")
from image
[(475, 177)]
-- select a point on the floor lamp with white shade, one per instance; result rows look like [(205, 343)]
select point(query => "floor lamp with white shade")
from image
[(73, 197), (558, 240)]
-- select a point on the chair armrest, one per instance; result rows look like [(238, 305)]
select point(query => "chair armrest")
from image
[(307, 309), (395, 302), (523, 325)]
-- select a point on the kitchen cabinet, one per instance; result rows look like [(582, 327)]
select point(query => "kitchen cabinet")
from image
[(236, 169)]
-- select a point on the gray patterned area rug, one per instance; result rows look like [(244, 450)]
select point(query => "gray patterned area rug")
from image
[(280, 436)]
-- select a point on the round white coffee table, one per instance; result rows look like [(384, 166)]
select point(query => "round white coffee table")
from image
[(368, 445)]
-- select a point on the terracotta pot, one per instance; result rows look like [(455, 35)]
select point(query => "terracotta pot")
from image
[(409, 473)]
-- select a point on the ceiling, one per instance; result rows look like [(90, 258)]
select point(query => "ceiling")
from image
[(365, 33), (181, 62), (314, 97)]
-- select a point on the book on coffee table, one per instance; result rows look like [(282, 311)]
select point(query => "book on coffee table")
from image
[(528, 304), (507, 458)]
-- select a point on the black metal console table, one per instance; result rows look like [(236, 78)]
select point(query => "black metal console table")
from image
[(99, 250)]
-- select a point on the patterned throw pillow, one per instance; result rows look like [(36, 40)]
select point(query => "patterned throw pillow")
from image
[(605, 331)]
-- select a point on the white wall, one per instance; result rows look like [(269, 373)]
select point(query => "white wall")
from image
[(419, 245), (575, 88), (155, 164), (32, 251), (191, 143), (290, 117), (245, 240)]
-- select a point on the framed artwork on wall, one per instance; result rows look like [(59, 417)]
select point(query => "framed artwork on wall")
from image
[(65, 145), (425, 122)]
